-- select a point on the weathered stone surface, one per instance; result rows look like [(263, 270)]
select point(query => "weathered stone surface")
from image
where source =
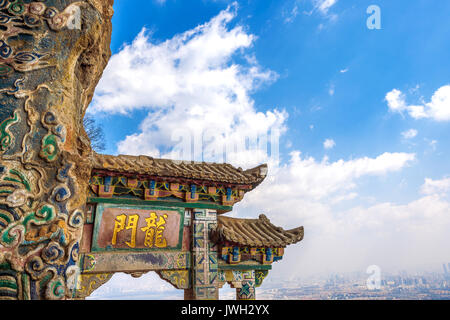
[(52, 55)]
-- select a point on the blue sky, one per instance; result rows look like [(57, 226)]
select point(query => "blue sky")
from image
[(313, 70)]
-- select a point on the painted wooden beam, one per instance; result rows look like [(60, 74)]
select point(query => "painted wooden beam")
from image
[(193, 205), (134, 261)]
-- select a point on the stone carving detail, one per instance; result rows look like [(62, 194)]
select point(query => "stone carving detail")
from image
[(52, 54)]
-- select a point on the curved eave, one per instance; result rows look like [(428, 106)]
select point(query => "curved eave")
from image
[(215, 173), (255, 232)]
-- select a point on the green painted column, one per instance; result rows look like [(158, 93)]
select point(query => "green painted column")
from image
[(204, 257)]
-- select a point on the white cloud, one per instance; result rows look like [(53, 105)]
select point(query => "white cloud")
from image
[(437, 109), (436, 186), (395, 100), (329, 144), (291, 15), (409, 134), (309, 179), (194, 93), (433, 144), (350, 238), (324, 5), (343, 70), (331, 90)]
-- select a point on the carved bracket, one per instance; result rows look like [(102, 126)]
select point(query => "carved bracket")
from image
[(180, 279), (88, 283)]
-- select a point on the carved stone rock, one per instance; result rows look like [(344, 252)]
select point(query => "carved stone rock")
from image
[(52, 55)]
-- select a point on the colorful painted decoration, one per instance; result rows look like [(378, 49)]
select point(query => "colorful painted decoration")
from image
[(6, 138)]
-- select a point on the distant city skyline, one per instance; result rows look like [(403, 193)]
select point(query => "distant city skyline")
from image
[(400, 285)]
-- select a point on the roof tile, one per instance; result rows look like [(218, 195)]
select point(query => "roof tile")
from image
[(216, 172), (255, 232)]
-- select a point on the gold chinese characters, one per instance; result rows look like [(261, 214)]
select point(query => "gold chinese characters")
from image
[(153, 230)]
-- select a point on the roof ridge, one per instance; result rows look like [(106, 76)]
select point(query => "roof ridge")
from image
[(209, 171)]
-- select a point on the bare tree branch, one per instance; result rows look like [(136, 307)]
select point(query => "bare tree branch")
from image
[(95, 133)]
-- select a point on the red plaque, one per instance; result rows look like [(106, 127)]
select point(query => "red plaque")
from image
[(137, 228)]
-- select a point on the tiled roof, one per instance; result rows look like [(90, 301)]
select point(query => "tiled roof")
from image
[(144, 165), (255, 232)]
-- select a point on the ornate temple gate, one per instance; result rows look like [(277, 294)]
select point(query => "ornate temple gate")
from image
[(159, 215)]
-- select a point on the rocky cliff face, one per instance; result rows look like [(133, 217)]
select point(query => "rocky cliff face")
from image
[(52, 55)]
